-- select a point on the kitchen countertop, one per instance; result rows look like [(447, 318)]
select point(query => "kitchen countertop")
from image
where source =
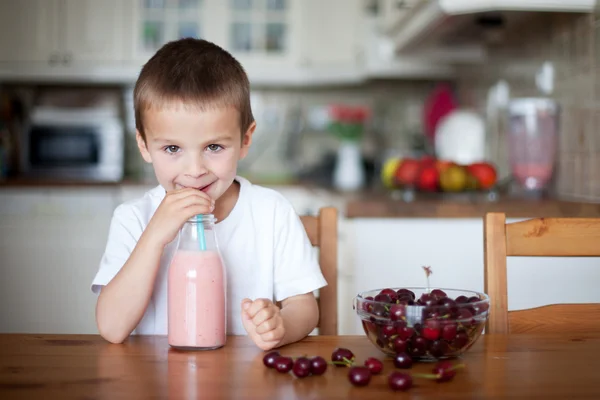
[(383, 206)]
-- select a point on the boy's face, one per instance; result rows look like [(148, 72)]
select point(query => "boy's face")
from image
[(197, 149)]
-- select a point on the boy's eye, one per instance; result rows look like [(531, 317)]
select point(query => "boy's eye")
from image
[(172, 149), (214, 147)]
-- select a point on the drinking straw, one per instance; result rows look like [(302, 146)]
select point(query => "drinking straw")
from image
[(200, 229)]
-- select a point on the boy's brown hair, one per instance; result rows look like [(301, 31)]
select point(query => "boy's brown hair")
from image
[(196, 73)]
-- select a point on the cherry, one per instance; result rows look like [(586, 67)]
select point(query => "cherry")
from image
[(442, 372), (419, 346), (374, 365), (449, 331), (400, 345), (400, 324), (379, 310), (474, 299), (284, 364), (387, 331), (431, 331), (399, 381), (318, 365), (367, 305), (359, 376), (405, 293), (480, 308), (447, 302), (438, 348), (269, 359), (427, 300), (438, 294), (464, 314), (342, 357), (383, 298), (301, 367), (405, 332), (390, 292), (462, 300), (445, 371), (403, 360), (397, 312), (461, 340)]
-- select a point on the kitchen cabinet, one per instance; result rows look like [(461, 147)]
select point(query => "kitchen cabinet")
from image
[(62, 32), (277, 41), (29, 30), (93, 30), (156, 22), (389, 252), (51, 242)]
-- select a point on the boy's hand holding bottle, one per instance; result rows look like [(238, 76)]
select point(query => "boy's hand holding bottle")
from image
[(177, 207)]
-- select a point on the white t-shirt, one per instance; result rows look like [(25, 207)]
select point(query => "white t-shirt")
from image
[(263, 243)]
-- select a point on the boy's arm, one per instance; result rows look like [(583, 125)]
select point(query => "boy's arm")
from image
[(300, 316), (123, 301)]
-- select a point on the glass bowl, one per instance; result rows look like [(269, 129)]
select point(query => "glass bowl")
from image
[(427, 325)]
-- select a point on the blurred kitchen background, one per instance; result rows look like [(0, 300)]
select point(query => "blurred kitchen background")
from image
[(341, 90)]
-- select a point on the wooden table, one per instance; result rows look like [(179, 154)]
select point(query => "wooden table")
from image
[(86, 367)]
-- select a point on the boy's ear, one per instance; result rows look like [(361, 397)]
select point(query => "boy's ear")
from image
[(247, 140), (142, 147)]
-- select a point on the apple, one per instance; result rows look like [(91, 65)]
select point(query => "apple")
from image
[(407, 172), (428, 178), (484, 174)]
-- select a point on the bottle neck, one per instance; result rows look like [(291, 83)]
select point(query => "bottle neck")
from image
[(198, 234)]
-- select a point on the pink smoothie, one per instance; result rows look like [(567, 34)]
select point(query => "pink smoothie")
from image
[(196, 300)]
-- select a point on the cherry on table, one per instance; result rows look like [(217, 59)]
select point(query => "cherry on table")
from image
[(301, 367), (359, 376), (340, 354), (399, 381), (374, 365), (318, 365), (284, 364), (269, 359), (445, 371)]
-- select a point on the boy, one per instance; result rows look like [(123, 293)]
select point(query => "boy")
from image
[(194, 123)]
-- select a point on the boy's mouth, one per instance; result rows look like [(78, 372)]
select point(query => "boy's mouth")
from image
[(201, 188)]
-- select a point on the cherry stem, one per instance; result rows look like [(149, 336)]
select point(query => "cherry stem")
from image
[(426, 376), (438, 376)]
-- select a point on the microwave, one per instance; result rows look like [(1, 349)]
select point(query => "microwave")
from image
[(74, 144)]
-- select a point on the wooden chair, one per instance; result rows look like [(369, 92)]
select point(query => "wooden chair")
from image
[(543, 237), (322, 231)]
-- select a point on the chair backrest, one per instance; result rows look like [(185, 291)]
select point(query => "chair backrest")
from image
[(543, 237), (322, 231)]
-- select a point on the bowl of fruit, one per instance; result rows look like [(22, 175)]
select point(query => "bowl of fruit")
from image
[(425, 323)]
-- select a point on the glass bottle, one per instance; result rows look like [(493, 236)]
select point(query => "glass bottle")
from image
[(197, 288)]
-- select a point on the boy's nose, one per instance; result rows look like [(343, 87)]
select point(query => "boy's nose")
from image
[(196, 168)]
